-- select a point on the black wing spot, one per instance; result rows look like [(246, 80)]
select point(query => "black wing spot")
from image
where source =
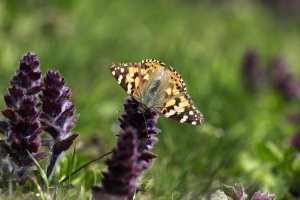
[(136, 74), (177, 101), (170, 108)]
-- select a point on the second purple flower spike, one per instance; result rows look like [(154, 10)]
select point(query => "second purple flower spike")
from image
[(58, 115)]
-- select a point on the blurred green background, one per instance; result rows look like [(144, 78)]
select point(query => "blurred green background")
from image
[(245, 137)]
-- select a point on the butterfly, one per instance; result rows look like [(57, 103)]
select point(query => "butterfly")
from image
[(157, 88)]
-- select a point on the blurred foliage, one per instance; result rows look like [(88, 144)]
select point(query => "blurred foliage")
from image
[(246, 135)]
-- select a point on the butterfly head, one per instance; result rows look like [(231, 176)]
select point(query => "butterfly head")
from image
[(142, 108)]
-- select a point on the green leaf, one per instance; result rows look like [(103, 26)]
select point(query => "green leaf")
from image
[(43, 174), (269, 151)]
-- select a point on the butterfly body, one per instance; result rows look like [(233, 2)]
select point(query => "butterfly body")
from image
[(157, 88), (149, 94)]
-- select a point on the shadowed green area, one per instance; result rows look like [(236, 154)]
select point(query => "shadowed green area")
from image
[(245, 137)]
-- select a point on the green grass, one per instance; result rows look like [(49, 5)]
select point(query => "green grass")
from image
[(245, 137)]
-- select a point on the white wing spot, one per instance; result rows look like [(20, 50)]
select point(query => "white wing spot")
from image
[(113, 73), (122, 70), (184, 118), (120, 79), (194, 122), (191, 112), (129, 86)]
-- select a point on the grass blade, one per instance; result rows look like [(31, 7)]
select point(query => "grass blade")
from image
[(43, 174)]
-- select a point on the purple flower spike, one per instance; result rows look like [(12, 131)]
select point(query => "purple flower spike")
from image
[(252, 72), (144, 123), (21, 126), (283, 80), (58, 112), (286, 8), (131, 155), (99, 194), (295, 141), (262, 196), (123, 167), (58, 115)]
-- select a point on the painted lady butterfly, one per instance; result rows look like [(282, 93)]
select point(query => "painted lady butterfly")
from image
[(157, 88)]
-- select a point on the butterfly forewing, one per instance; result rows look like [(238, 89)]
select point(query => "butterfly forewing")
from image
[(175, 83), (178, 104), (181, 108), (125, 74)]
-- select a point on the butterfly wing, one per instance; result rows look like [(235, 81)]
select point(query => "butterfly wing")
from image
[(131, 76), (125, 74), (182, 109), (177, 103)]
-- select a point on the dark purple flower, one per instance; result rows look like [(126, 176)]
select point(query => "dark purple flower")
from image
[(252, 72), (25, 127), (262, 196), (22, 124), (144, 123), (26, 81), (283, 80), (58, 115), (123, 167), (99, 194), (284, 7), (294, 118), (4, 126), (295, 141)]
